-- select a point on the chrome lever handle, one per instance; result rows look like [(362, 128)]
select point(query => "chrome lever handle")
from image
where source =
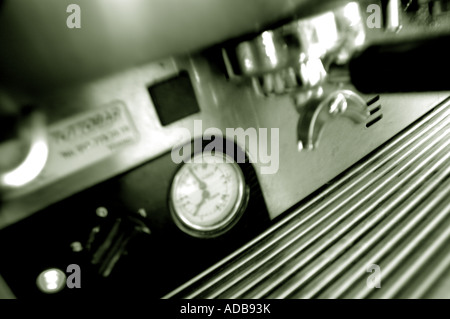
[(322, 108), (24, 147)]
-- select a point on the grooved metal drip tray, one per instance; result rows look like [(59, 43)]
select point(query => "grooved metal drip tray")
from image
[(380, 230)]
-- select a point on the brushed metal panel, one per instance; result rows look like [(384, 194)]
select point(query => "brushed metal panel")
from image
[(391, 209)]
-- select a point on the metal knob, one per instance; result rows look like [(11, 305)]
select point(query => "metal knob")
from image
[(107, 249), (297, 55), (23, 144)]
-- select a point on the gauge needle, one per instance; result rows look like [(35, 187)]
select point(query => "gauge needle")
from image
[(201, 183), (213, 196), (205, 193), (205, 196)]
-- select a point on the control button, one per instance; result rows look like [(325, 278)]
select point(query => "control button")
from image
[(51, 281)]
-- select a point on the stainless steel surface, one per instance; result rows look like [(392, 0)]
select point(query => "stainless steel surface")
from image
[(223, 104), (391, 209)]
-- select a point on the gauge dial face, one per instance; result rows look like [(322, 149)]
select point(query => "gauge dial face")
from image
[(207, 195)]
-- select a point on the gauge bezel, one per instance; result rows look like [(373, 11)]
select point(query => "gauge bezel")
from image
[(234, 213)]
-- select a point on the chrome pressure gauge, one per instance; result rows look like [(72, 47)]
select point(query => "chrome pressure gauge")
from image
[(208, 195)]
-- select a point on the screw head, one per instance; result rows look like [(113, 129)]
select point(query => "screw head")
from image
[(101, 212), (76, 246), (142, 212)]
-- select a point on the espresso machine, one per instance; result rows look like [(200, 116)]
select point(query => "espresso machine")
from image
[(243, 149)]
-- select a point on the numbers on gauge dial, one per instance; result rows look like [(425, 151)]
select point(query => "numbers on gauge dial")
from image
[(205, 194)]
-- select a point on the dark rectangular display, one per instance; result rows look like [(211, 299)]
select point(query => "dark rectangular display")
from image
[(174, 98)]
